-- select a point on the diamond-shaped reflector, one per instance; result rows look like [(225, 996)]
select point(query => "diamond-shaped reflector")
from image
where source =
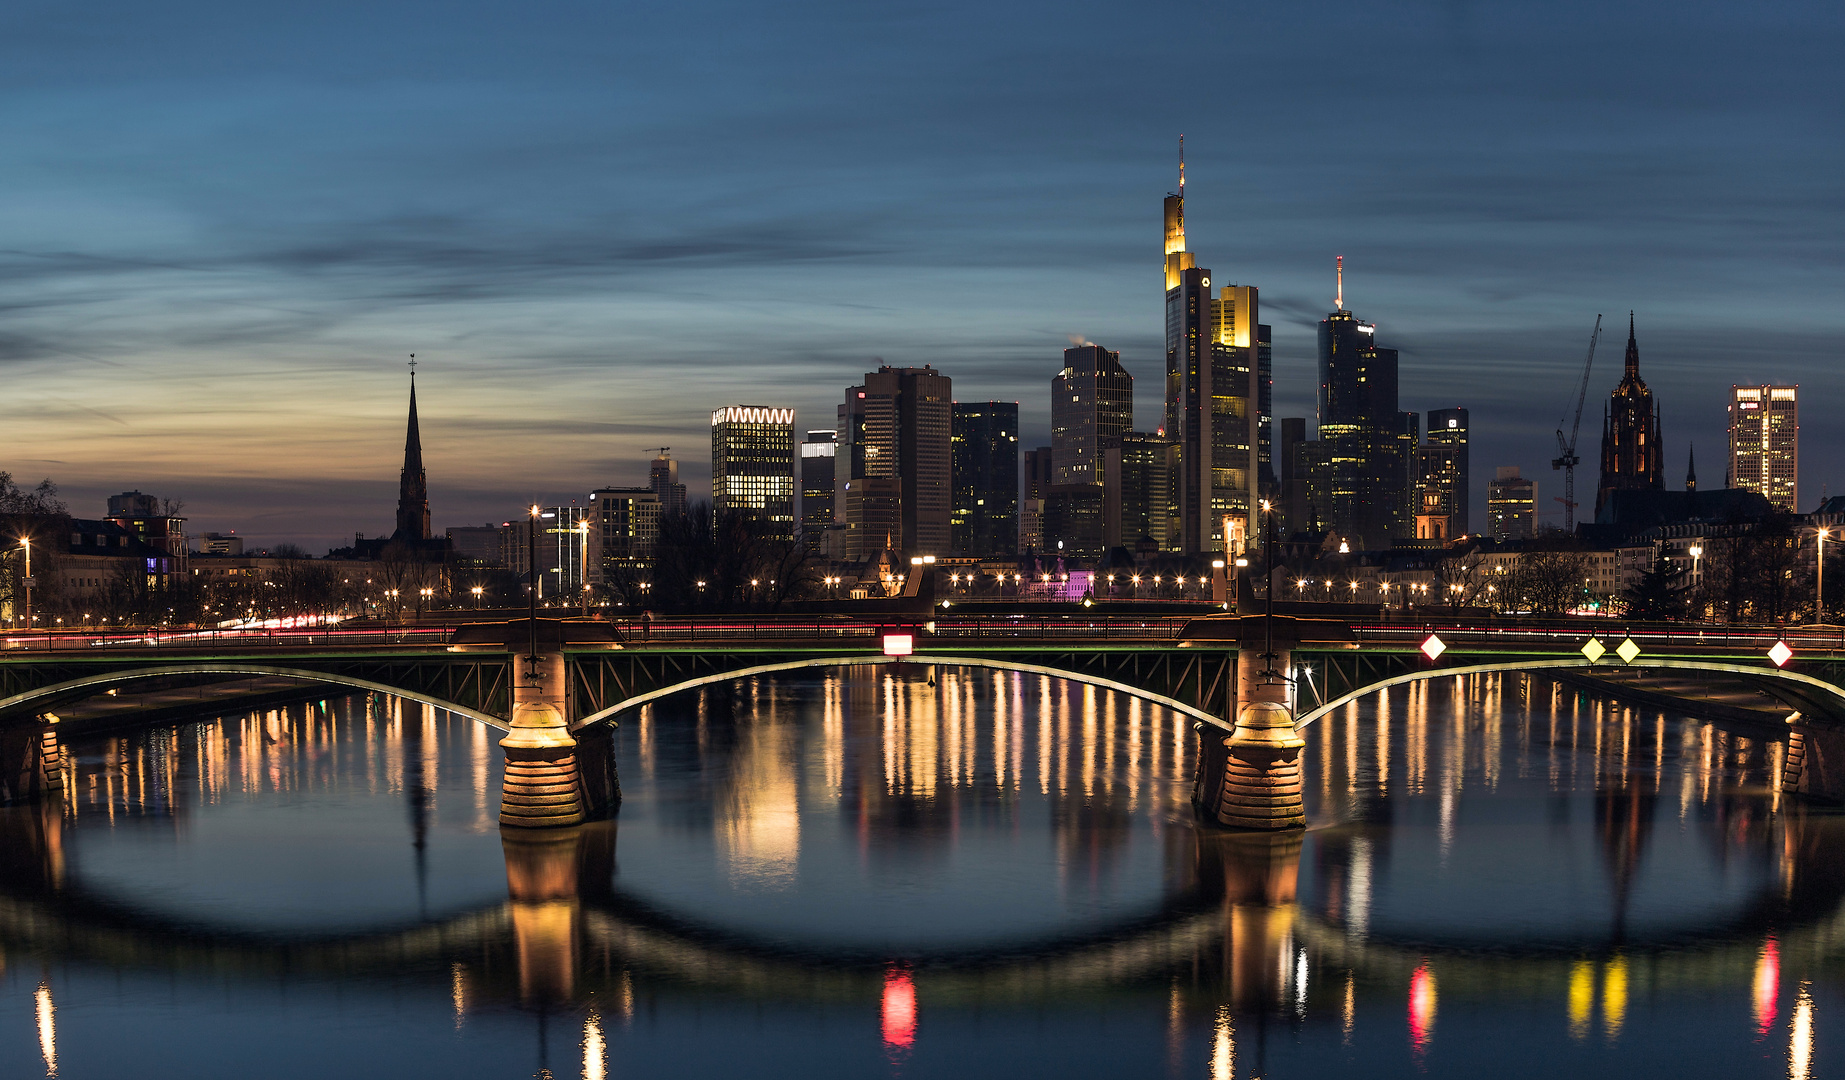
[(1593, 649), (1433, 647), (1627, 650), (1780, 654)]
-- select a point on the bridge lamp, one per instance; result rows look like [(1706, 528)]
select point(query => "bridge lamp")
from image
[(1780, 654), (1242, 564)]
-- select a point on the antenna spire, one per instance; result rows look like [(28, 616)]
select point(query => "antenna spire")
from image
[(1339, 269), (1181, 166)]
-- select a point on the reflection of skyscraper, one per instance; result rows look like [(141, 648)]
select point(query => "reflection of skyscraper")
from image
[(1765, 442), (752, 465), (1217, 393), (986, 478), (1092, 400), (1361, 431), (1632, 457)]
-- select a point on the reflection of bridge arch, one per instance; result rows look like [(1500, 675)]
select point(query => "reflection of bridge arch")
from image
[(821, 662), (1803, 692), (76, 688)]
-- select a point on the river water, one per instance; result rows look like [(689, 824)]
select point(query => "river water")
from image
[(988, 874)]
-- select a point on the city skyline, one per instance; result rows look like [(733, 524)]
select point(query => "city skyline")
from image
[(199, 311)]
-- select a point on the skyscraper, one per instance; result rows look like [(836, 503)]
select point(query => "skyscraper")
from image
[(752, 464), (1138, 470), (985, 518), (663, 478), (1367, 442), (1511, 505), (1092, 399), (1217, 393), (1031, 504), (624, 528), (412, 482), (897, 426), (1633, 458), (819, 455), (1765, 442), (1443, 460)]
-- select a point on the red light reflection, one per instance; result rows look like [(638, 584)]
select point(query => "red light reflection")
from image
[(899, 1009), (1421, 1008), (1767, 985)]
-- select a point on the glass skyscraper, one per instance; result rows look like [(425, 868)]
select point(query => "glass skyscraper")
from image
[(1368, 444), (986, 478)]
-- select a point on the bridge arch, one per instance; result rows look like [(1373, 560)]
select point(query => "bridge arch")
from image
[(929, 660), (1824, 692), (219, 667)]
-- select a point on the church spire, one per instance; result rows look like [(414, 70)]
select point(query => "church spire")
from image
[(1633, 350), (1691, 467), (413, 482)]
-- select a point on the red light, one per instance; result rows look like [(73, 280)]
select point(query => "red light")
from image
[(1421, 1008), (899, 1009)]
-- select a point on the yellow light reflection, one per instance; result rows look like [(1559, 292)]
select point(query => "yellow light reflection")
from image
[(1350, 1016), (1223, 1046), (1614, 997), (47, 1028), (1582, 998), (595, 1050), (458, 993), (1800, 1037)]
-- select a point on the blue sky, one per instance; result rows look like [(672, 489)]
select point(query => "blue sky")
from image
[(223, 228)]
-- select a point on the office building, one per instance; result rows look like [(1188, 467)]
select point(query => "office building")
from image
[(624, 530), (468, 545), (1092, 399), (898, 426), (752, 465), (985, 518), (1511, 505), (1137, 491), (1217, 394), (1368, 443), (1443, 469), (1633, 458), (819, 454), (1072, 523), (1037, 483), (663, 479), (1765, 443)]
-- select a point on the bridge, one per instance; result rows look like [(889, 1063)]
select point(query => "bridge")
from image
[(1249, 684)]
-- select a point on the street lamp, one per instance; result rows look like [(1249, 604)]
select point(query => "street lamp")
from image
[(476, 590), (1819, 590), (26, 543)]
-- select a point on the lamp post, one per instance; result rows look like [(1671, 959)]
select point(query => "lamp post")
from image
[(1819, 589), (476, 590), (531, 592), (26, 543), (1697, 580)]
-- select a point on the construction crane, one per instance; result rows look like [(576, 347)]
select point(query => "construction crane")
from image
[(659, 451), (1566, 458)]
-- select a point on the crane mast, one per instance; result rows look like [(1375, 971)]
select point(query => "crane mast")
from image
[(1566, 458)]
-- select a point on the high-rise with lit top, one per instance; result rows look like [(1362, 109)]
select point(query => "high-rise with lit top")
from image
[(1765, 443), (752, 464)]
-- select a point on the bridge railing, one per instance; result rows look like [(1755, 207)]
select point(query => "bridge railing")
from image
[(1673, 637)]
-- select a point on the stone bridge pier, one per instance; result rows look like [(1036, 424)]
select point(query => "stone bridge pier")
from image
[(1251, 778)]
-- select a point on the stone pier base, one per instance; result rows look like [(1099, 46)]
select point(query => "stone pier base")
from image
[(1251, 779)]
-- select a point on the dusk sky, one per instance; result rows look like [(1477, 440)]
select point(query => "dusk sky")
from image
[(224, 228)]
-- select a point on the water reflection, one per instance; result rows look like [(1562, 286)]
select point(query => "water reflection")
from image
[(997, 866)]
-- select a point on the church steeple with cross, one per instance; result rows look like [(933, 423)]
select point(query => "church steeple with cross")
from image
[(413, 483)]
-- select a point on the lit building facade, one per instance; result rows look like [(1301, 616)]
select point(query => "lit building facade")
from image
[(1138, 469), (752, 465), (898, 426), (1368, 445), (985, 518), (1092, 399), (819, 455), (1765, 443), (624, 530), (1633, 458), (1443, 467), (1511, 505), (1217, 394)]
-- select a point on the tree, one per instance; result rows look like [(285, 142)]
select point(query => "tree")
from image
[(1660, 592), (726, 561), (1550, 580)]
